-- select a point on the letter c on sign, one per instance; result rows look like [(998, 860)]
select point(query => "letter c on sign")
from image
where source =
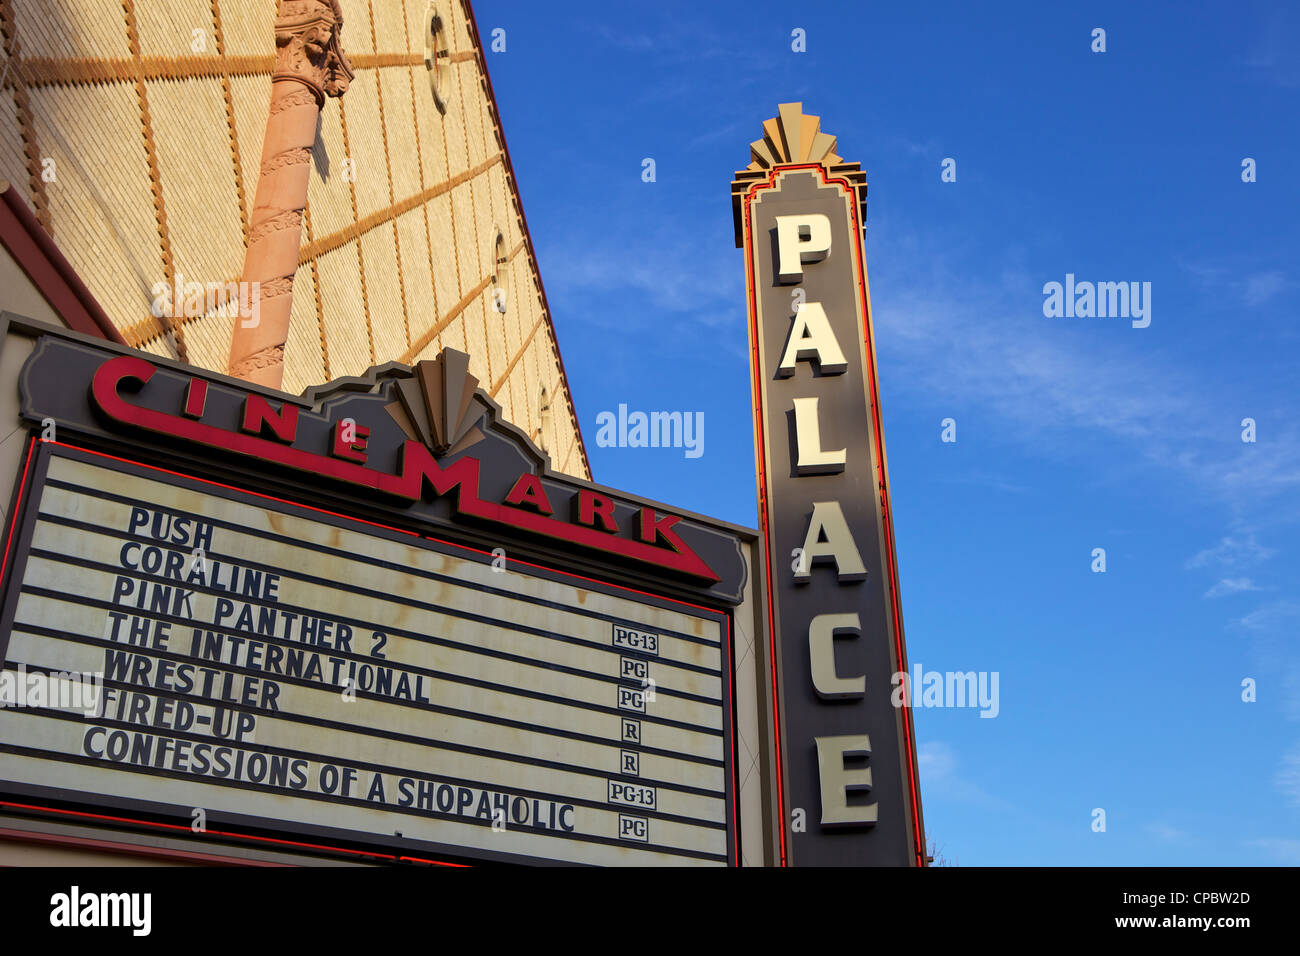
[(821, 651)]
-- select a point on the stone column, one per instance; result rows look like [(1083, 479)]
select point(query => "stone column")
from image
[(310, 65)]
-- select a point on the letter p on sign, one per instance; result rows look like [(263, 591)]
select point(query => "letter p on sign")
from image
[(800, 239)]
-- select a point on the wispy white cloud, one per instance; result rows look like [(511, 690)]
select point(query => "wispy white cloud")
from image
[(1232, 552), (1263, 286), (1283, 848), (939, 774), (1235, 279), (1287, 778), (1275, 54), (1166, 832), (678, 285), (1271, 616), (1228, 586), (948, 335), (1271, 631)]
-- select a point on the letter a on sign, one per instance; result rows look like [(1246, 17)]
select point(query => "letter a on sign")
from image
[(832, 618), (811, 338)]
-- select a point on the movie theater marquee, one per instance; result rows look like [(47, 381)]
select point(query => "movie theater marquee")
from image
[(367, 619)]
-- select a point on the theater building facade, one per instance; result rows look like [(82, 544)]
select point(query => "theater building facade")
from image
[(303, 562)]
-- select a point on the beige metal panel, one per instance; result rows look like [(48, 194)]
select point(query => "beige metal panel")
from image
[(433, 150), (460, 25), (159, 345), (399, 122), (102, 207), (532, 384), (23, 298), (384, 289), (454, 123), (356, 27), (471, 103), (247, 30), (475, 333), (418, 279), (167, 29), (329, 194), (207, 340), (88, 28), (101, 202), (13, 446), (13, 157), (345, 327), (303, 363), (750, 742), (444, 253), (498, 357), (389, 27), (250, 98), (453, 337), (203, 224), (468, 262), (366, 143)]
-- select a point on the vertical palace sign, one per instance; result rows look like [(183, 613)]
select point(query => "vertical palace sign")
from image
[(845, 761)]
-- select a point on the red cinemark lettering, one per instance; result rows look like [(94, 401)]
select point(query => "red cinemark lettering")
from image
[(418, 471), (528, 490), (260, 418), (592, 506)]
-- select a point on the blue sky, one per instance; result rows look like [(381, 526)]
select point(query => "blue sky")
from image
[(1120, 690)]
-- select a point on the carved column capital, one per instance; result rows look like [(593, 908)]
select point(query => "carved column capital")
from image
[(308, 47)]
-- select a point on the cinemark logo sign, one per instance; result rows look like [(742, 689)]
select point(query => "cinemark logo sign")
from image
[(269, 434), (845, 757)]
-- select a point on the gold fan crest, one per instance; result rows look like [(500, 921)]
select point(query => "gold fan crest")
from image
[(436, 404), (792, 137)]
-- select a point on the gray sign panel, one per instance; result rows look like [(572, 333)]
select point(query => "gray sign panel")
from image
[(849, 793)]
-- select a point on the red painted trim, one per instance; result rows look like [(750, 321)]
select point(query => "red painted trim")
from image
[(223, 833), (128, 849), (731, 724), (887, 524), (51, 273), (759, 431), (13, 518)]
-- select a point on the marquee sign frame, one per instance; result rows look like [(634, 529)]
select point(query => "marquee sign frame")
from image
[(436, 466)]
